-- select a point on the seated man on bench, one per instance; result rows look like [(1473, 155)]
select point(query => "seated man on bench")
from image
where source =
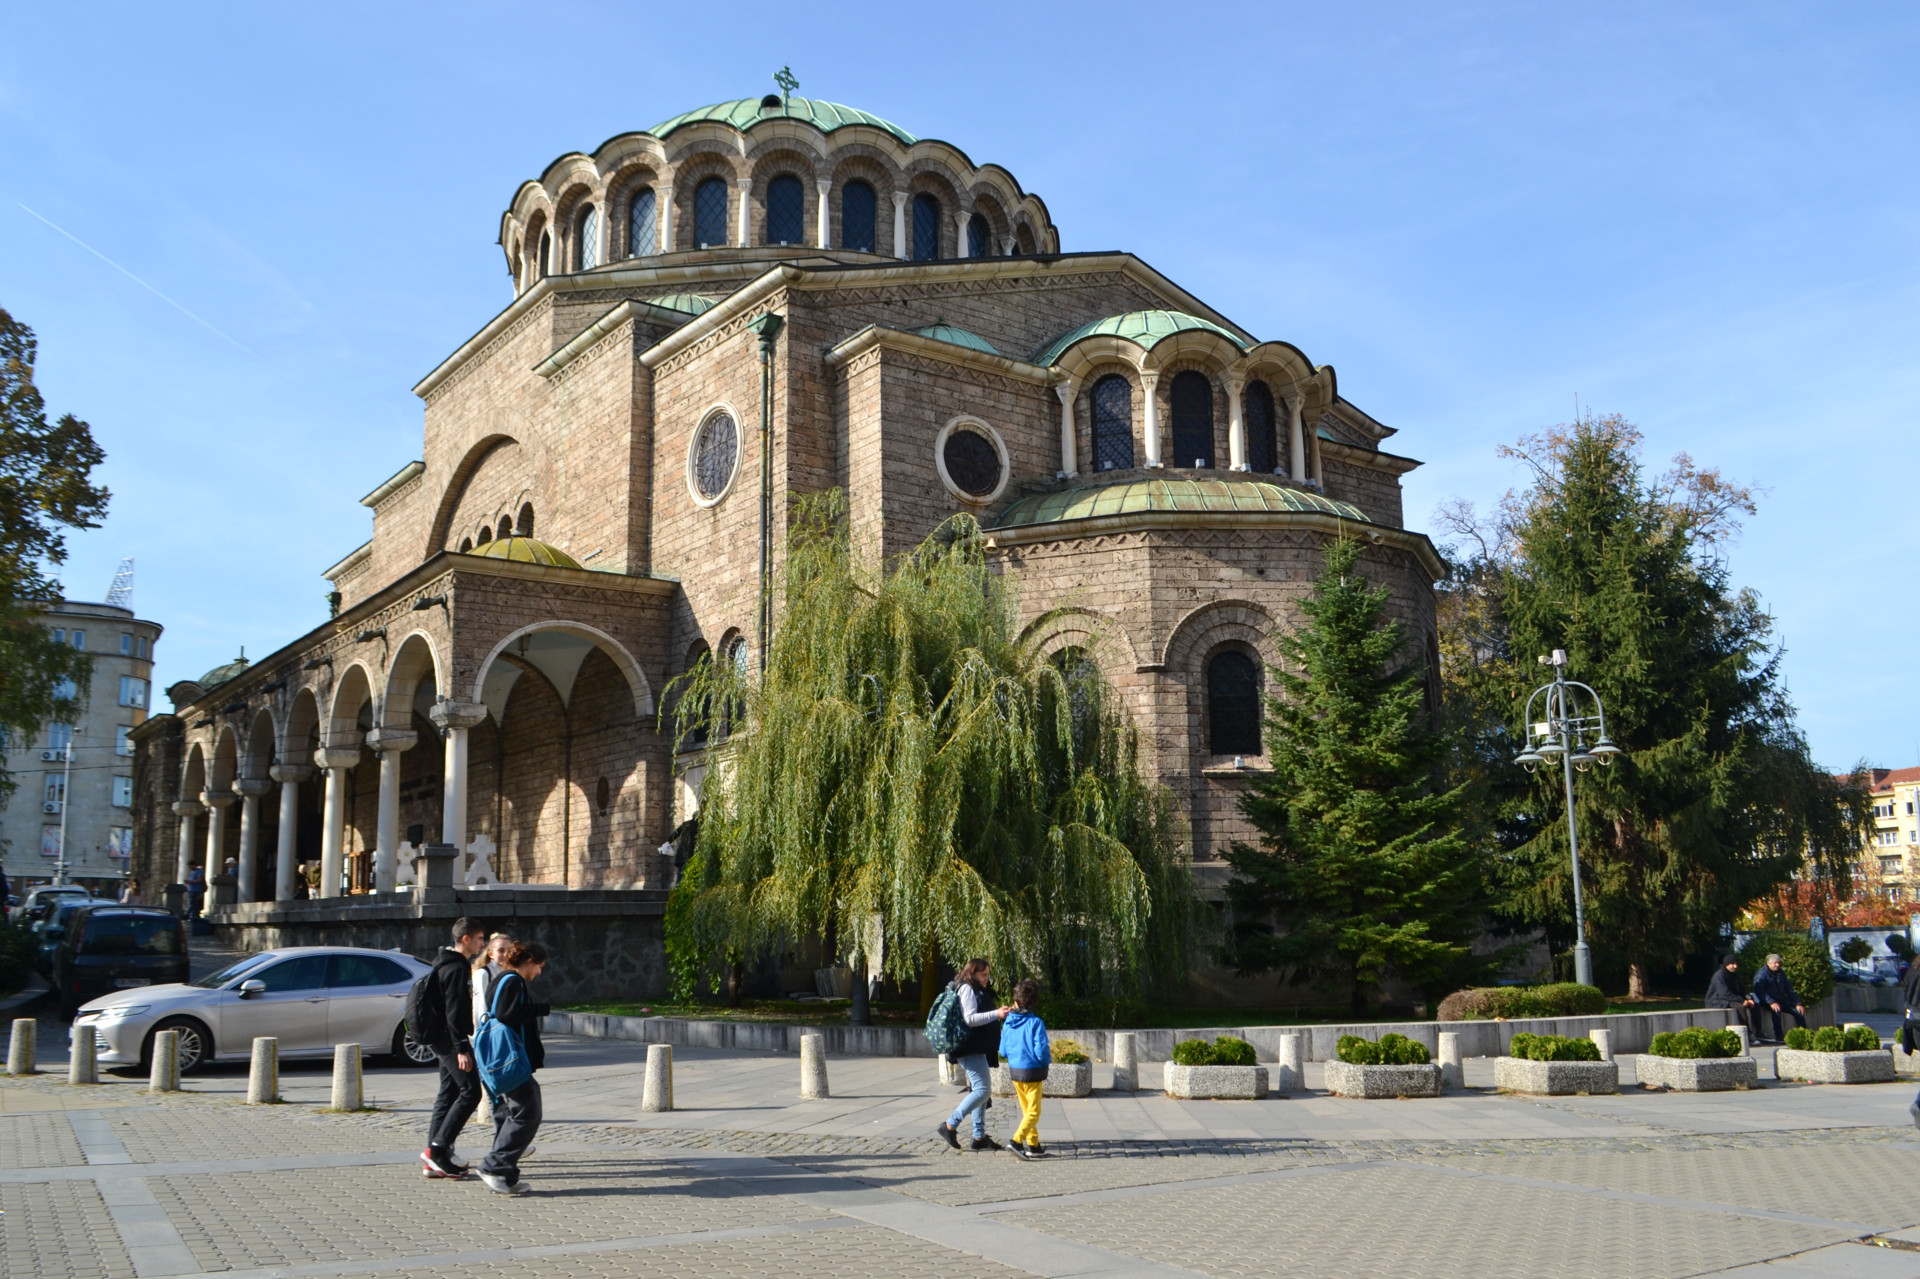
[(1724, 992), (1773, 992)]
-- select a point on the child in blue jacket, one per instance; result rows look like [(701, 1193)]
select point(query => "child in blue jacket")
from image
[(1024, 1044)]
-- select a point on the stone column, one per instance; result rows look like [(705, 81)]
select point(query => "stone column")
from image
[(960, 221), (826, 219), (663, 217), (1006, 250), (388, 743), (746, 209), (901, 249), (217, 802), (286, 847), (250, 789), (336, 760), (1147, 383), (603, 235), (454, 719), (186, 810), (1295, 402), (1069, 445), (1236, 427)]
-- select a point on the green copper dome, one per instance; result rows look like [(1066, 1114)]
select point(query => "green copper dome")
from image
[(944, 332), (1199, 497), (1143, 328), (691, 303), (744, 113), (526, 550), (222, 673)]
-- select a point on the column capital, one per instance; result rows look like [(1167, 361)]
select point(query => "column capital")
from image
[(218, 798), (188, 808), (392, 739), (287, 774), (1064, 389), (900, 198), (450, 714), (333, 757), (1295, 398), (1149, 378), (251, 787)]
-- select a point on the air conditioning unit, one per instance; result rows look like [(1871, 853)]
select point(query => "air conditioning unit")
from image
[(52, 756), (50, 806)]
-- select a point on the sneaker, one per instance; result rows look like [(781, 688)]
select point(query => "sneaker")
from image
[(528, 1152), (442, 1166), (1018, 1148), (1036, 1151), (1025, 1152), (501, 1186), (948, 1135), (986, 1143)]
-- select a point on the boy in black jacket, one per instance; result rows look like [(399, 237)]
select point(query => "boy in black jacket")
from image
[(451, 1039)]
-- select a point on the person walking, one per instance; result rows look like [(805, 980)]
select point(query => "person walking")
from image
[(1029, 1054), (448, 1030), (977, 1054), (196, 890), (1773, 992), (130, 892), (517, 1112), (487, 967)]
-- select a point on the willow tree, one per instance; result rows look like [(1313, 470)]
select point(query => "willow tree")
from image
[(910, 779)]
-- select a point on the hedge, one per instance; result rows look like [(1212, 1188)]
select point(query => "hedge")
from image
[(1553, 1048), (1561, 999), (1068, 1052), (1696, 1041), (1392, 1050), (1806, 961), (1832, 1039), (1224, 1051)]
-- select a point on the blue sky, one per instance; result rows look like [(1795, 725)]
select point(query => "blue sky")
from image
[(1702, 217)]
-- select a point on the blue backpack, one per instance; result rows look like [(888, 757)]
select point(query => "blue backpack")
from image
[(499, 1050), (946, 1023)]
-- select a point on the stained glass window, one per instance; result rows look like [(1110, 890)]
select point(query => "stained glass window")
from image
[(546, 254), (714, 455), (1112, 423), (643, 232), (1257, 418), (857, 205), (786, 211), (590, 239), (710, 214), (972, 462), (979, 239), (926, 228), (1192, 420), (1233, 704)]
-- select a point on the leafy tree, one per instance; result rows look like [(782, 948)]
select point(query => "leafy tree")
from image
[(1368, 861), (45, 486), (1717, 802), (909, 780)]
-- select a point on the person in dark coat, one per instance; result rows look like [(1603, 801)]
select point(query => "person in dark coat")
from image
[(517, 1114), (452, 1044), (977, 1054), (1724, 992), (1773, 993)]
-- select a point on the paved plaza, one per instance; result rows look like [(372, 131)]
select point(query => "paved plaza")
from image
[(747, 1179)]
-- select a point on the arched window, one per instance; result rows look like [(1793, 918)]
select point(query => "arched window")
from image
[(1192, 420), (643, 232), (857, 205), (546, 253), (587, 236), (926, 228), (466, 545), (524, 525), (786, 211), (484, 536), (1112, 423), (1233, 704), (506, 527), (979, 238), (697, 736), (1257, 419), (710, 214)]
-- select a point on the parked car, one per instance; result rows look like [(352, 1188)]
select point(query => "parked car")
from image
[(48, 932), (38, 901), (308, 997), (107, 947)]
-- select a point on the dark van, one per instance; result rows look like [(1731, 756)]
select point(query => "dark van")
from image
[(108, 948)]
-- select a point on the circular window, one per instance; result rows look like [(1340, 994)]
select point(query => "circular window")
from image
[(714, 458), (972, 461)]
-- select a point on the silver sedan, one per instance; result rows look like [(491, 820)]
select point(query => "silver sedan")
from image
[(308, 997)]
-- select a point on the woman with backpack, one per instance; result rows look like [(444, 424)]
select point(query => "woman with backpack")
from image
[(517, 1111), (977, 1054)]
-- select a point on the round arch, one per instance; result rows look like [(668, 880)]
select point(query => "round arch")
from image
[(1207, 626), (353, 690), (226, 759), (261, 737), (615, 651), (193, 773), (415, 659), (301, 729), (456, 489)]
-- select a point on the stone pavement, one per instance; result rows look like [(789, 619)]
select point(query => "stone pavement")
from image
[(1785, 1182)]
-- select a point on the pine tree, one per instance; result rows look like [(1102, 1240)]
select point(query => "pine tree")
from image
[(1365, 864)]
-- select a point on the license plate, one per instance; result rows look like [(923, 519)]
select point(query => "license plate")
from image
[(124, 982)]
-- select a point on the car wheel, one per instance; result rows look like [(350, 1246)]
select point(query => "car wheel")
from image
[(196, 1045), (408, 1051)]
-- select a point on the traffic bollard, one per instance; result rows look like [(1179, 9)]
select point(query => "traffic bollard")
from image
[(165, 1076), (21, 1050), (1288, 1074), (1453, 1072), (83, 1058), (657, 1093), (1126, 1063), (813, 1066), (1603, 1039), (263, 1076), (346, 1077)]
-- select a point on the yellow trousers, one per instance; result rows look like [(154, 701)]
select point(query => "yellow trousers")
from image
[(1028, 1133)]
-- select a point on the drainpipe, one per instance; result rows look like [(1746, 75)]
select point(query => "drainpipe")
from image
[(768, 327)]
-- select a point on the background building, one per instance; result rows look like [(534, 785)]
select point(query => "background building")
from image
[(96, 796), (1894, 846)]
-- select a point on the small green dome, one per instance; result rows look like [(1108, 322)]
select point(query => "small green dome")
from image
[(526, 550), (221, 674), (691, 303), (1145, 329), (1136, 497), (944, 332), (744, 113)]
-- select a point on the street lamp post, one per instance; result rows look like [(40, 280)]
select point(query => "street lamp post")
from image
[(1573, 726)]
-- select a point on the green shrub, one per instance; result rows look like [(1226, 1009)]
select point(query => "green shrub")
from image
[(1695, 1042), (1068, 1052), (1800, 1039), (1828, 1039), (1392, 1050), (1808, 965), (1862, 1039), (1100, 1012), (1560, 999), (1553, 1048), (1224, 1051), (1194, 1052), (1832, 1039)]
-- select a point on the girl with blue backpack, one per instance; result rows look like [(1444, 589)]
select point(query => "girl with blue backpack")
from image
[(507, 1045), (977, 1053)]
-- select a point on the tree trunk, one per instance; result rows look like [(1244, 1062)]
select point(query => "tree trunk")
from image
[(1360, 989), (1636, 981), (736, 979), (861, 1013), (929, 980)]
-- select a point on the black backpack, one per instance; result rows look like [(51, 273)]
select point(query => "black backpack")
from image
[(427, 1011)]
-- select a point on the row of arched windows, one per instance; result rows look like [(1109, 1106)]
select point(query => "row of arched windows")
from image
[(1191, 394), (510, 526)]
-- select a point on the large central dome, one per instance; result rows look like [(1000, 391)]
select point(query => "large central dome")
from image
[(744, 113)]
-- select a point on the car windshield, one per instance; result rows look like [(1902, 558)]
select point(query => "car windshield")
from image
[(231, 971), (131, 935)]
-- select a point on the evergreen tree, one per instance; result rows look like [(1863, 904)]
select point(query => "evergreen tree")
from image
[(1366, 862)]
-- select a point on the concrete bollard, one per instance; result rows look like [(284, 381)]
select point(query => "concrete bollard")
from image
[(1126, 1063), (165, 1076), (813, 1067), (83, 1058), (485, 1112), (1453, 1072), (1746, 1042), (657, 1093), (950, 1074), (263, 1076), (22, 1049), (1603, 1039), (1289, 1074), (346, 1077)]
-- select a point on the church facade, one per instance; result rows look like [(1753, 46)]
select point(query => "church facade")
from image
[(755, 301)]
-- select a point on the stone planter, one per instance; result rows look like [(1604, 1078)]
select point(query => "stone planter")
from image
[(1345, 1079), (1696, 1074), (1869, 1067), (1226, 1083), (1062, 1081), (1555, 1078)]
